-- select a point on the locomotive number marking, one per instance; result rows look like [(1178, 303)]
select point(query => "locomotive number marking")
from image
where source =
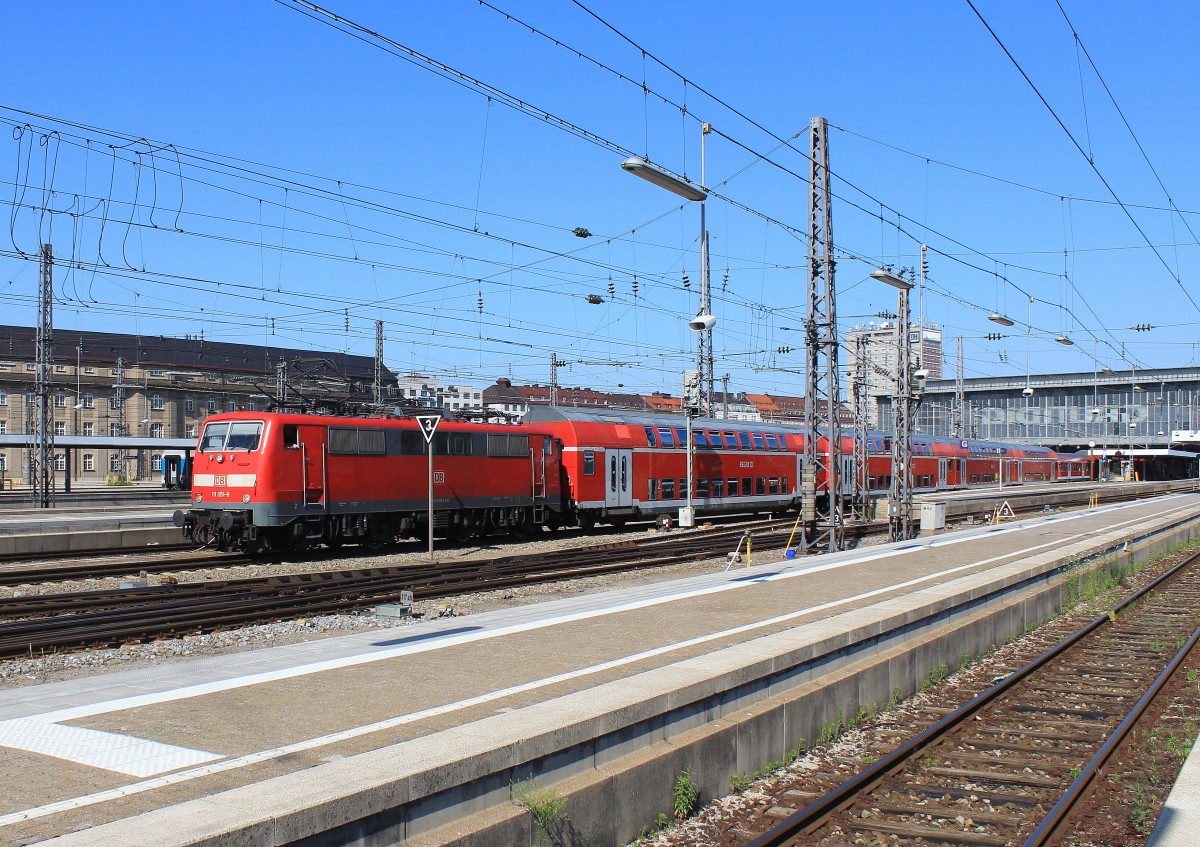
[(439, 477), (745, 464), (220, 495)]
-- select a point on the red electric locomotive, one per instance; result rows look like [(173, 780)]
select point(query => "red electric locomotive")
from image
[(270, 481)]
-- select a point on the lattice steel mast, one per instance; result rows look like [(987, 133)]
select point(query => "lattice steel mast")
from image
[(41, 457), (378, 365), (823, 516), (860, 501), (960, 395)]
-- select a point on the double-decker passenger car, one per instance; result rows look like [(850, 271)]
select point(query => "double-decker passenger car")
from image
[(270, 481), (622, 465)]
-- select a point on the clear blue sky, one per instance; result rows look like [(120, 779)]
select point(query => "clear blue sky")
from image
[(274, 176)]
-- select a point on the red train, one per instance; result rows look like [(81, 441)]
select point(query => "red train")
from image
[(271, 481)]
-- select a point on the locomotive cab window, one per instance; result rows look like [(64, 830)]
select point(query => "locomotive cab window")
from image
[(650, 439), (240, 435), (291, 437)]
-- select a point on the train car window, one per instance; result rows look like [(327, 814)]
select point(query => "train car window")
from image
[(773, 485), (747, 486), (291, 437), (213, 437), (731, 487), (744, 440), (624, 473), (683, 488), (785, 485), (612, 472), (702, 488), (668, 489), (589, 463), (772, 444), (652, 490), (758, 441), (666, 437), (700, 437), (718, 488), (681, 437), (412, 443), (650, 440), (731, 440), (760, 485)]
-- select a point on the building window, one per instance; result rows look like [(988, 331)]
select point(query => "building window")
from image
[(60, 369), (3, 427), (89, 428), (89, 370), (212, 405), (156, 463), (189, 431), (114, 429), (114, 462), (89, 462), (113, 371), (60, 462), (230, 406), (190, 404), (114, 403), (156, 401), (60, 427), (29, 367), (3, 462), (60, 400), (156, 430), (89, 402), (3, 398), (156, 373)]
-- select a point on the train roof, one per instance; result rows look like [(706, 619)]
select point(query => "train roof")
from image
[(575, 414)]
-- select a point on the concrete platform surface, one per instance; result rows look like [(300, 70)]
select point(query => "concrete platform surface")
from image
[(269, 746)]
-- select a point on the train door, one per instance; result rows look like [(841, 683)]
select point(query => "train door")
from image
[(846, 477), (619, 490), (963, 482), (943, 470), (313, 464), (1014, 471)]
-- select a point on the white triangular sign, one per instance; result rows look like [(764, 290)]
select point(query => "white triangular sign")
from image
[(429, 424)]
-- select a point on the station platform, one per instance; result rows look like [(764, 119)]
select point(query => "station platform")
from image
[(415, 735)]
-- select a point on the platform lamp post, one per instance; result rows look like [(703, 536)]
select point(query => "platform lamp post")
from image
[(900, 492), (703, 322)]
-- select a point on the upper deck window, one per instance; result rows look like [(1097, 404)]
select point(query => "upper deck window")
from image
[(239, 435)]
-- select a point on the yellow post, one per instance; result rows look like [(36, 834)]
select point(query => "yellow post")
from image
[(749, 545)]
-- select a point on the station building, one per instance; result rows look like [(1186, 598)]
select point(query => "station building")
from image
[(108, 385)]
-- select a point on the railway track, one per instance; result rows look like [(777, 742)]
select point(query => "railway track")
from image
[(48, 623), (1011, 765)]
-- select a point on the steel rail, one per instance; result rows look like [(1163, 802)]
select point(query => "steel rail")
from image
[(817, 813), (106, 616)]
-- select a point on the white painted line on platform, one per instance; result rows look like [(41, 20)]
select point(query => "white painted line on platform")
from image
[(98, 749), (353, 732)]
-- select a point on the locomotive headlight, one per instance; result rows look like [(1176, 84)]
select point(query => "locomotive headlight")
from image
[(199, 497), (220, 458), (245, 498)]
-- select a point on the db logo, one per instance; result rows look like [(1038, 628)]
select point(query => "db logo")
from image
[(439, 477), (219, 480)]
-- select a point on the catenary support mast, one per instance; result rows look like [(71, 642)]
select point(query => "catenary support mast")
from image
[(822, 514)]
